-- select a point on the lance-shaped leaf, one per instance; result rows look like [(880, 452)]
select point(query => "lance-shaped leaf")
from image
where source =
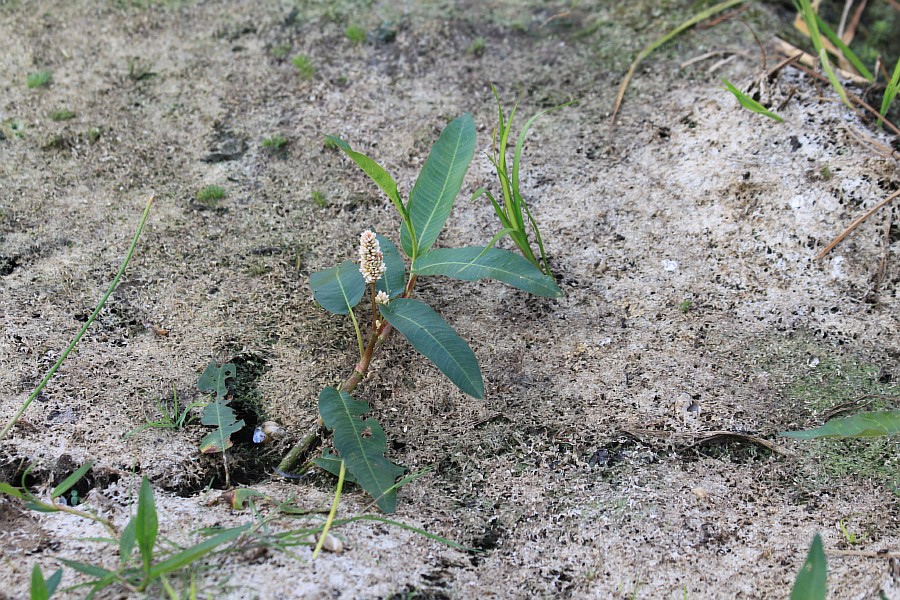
[(868, 424), (474, 263), (213, 379), (812, 580), (394, 279), (373, 170), (146, 524), (188, 555), (332, 463), (361, 444), (432, 336), (222, 417), (339, 288), (438, 185)]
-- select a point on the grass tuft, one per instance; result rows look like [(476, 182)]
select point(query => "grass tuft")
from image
[(39, 79), (304, 66), (210, 195), (62, 114), (355, 34)]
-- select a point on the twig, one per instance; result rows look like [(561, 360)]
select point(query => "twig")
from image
[(856, 223), (648, 50), (854, 98), (865, 553)]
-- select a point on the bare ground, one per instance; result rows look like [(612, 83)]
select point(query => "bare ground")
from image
[(684, 241)]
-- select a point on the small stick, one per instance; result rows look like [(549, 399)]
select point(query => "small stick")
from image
[(865, 553), (856, 223)]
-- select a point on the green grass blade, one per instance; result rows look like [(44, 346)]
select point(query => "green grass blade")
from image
[(891, 91), (433, 337), (196, 552), (812, 24), (38, 585), (749, 103), (652, 47), (438, 185), (86, 569), (868, 424), (146, 523), (10, 490), (844, 48), (62, 357), (520, 143), (71, 480), (127, 540), (363, 453), (422, 532), (53, 582), (339, 288), (381, 177), (473, 263), (812, 580)]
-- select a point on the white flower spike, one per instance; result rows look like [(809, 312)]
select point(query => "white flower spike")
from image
[(371, 260)]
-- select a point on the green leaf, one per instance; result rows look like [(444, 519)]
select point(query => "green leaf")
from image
[(394, 280), (223, 418), (811, 582), (127, 540), (373, 170), (38, 585), (9, 490), (332, 463), (361, 444), (71, 480), (146, 524), (53, 582), (432, 336), (749, 103), (86, 569), (474, 263), (241, 495), (339, 288), (439, 184), (189, 555), (868, 424), (213, 379)]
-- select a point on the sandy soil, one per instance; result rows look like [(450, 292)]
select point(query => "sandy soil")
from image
[(684, 240)]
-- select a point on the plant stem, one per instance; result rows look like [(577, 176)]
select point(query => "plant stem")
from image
[(81, 332), (332, 514), (379, 336), (359, 341)]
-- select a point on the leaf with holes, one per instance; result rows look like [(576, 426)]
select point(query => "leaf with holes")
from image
[(473, 263), (432, 336), (222, 417), (213, 379), (361, 444), (339, 288)]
